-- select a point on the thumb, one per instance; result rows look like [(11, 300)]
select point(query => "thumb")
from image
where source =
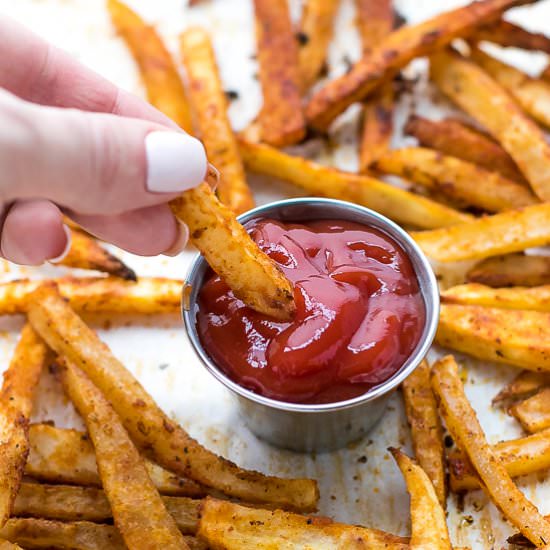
[(93, 163)]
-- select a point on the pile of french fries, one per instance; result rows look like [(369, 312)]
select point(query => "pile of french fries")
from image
[(477, 191)]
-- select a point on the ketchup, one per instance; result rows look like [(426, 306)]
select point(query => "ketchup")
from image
[(359, 314)]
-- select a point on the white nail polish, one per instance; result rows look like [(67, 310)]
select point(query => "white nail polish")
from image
[(180, 242), (175, 162), (63, 254)]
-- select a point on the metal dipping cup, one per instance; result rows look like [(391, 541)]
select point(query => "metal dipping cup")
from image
[(330, 426)]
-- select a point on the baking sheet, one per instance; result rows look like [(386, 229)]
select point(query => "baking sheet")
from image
[(360, 484)]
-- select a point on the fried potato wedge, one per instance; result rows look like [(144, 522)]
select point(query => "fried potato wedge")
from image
[(318, 180), (426, 430), (456, 179), (511, 336), (534, 412), (522, 456), (477, 93), (452, 137), (507, 34), (462, 423), (281, 119), (228, 526), (396, 51), (501, 233), (524, 385), (209, 105), (429, 528), (149, 427), (159, 73)]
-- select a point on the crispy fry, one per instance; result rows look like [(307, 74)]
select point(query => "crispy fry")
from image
[(452, 137), (511, 336), (534, 412), (212, 123), (456, 178), (316, 28), (149, 427), (375, 20), (470, 87), (281, 119), (525, 384), (426, 431), (501, 233), (160, 75), (228, 526), (318, 180), (462, 422), (507, 34), (429, 528), (396, 51), (20, 379)]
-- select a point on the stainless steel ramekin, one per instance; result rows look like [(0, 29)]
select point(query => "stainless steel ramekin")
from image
[(307, 428)]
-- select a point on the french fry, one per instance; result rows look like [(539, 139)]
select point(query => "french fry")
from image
[(534, 412), (501, 233), (511, 270), (319, 180), (164, 86), (396, 51), (462, 422), (455, 178), (229, 526), (5, 545), (522, 456), (209, 105), (426, 430), (452, 137), (507, 34), (281, 119), (524, 385), (138, 511), (316, 28), (511, 336), (148, 426), (20, 379), (429, 528), (533, 95), (472, 89)]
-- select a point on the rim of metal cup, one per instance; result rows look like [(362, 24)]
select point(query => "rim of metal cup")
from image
[(276, 210)]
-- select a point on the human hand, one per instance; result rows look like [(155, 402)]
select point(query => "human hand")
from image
[(72, 142)]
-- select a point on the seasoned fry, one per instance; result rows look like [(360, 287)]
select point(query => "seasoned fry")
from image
[(316, 28), (452, 137), (429, 528), (507, 34), (462, 422), (318, 180), (396, 51), (511, 336), (525, 384), (375, 20), (470, 87), (534, 412), (20, 379), (149, 427), (212, 123), (138, 511), (164, 86), (501, 233), (455, 178), (281, 119), (229, 526), (426, 430)]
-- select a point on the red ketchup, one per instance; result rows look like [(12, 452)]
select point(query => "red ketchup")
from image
[(359, 314)]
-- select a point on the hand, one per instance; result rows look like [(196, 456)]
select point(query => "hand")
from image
[(72, 142)]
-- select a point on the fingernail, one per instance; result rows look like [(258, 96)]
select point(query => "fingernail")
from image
[(180, 242), (63, 254), (175, 162), (212, 177)]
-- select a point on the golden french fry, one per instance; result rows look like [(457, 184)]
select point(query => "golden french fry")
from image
[(462, 423), (319, 180), (524, 385), (456, 178), (209, 106), (472, 89), (511, 336), (375, 20), (429, 528), (534, 412), (231, 526), (396, 51), (507, 34), (5, 545), (281, 119), (164, 86), (148, 426), (501, 233), (426, 430)]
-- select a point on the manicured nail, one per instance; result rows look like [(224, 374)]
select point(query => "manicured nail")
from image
[(180, 242), (175, 162), (63, 254)]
